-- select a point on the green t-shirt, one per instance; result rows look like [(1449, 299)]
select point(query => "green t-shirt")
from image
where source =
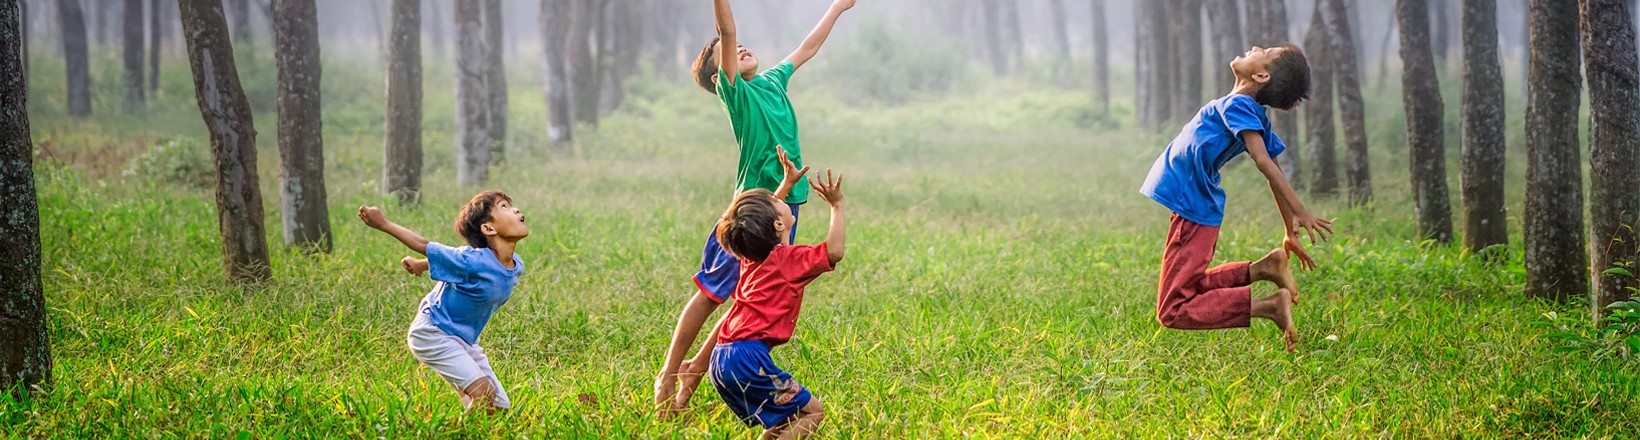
[(762, 118)]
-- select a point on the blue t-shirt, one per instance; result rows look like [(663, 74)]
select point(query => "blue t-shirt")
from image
[(472, 284), (1185, 178)]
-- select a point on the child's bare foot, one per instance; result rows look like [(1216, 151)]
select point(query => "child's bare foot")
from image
[(1278, 308), (1273, 268)]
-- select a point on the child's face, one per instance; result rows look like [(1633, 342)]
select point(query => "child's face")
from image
[(746, 60), (1255, 63), (784, 225), (507, 222)]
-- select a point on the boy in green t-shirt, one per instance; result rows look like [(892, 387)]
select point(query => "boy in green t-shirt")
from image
[(765, 129)]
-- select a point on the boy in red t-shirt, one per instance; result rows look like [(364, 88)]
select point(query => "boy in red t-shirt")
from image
[(768, 297)]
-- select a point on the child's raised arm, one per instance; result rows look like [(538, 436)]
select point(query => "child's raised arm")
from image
[(831, 190), (1294, 217), (728, 48), (817, 37), (372, 216)]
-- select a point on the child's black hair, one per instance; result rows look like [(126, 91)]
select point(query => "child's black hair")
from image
[(747, 230), (705, 69), (470, 223), (1289, 80)]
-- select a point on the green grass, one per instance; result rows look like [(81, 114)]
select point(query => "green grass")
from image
[(1001, 283)]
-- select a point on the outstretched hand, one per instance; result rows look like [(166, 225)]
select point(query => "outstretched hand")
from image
[(1295, 248), (372, 216), (793, 174), (1313, 226), (415, 266), (845, 4), (830, 188)]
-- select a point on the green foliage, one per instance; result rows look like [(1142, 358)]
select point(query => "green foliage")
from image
[(879, 66), (183, 160), (1614, 336)]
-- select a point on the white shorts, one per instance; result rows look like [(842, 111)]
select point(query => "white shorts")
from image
[(458, 362)]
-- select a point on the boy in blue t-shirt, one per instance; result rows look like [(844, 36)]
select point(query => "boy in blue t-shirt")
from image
[(1185, 179), (473, 281)]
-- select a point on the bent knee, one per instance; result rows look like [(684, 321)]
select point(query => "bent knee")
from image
[(1169, 319), (482, 389)]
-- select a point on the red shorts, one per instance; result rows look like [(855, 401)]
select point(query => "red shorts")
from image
[(1194, 297)]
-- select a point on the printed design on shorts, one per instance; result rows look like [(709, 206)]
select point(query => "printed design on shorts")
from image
[(785, 390)]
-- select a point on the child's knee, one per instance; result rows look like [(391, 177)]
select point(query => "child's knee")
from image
[(1167, 318), (814, 408), (482, 390)]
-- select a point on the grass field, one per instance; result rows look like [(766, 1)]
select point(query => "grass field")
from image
[(1001, 283)]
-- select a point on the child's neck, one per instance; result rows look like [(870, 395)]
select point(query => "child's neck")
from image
[(503, 250), (1246, 86)]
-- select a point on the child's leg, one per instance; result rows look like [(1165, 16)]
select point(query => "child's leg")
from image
[(495, 394), (807, 420), (1273, 268), (449, 356), (1278, 308), (719, 272), (1192, 297)]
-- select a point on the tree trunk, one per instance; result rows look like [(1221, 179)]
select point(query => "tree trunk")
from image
[(241, 21), (132, 43), (556, 18), (1485, 222), (156, 40), (1383, 52), (1614, 147), (25, 354), (496, 80), (435, 27), (227, 116), (1185, 28), (583, 66), (23, 34), (622, 27), (401, 173), (472, 98), (1556, 256), (1226, 18), (301, 144), (993, 36), (1426, 141), (1061, 39), (75, 58), (1321, 147), (1154, 72), (1101, 57), (1441, 41), (1347, 77)]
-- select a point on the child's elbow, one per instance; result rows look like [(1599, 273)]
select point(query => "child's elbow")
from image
[(834, 256)]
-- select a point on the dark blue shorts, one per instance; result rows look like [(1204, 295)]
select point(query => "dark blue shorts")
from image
[(720, 270), (757, 391)]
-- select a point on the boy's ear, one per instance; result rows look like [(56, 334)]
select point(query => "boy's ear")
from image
[(1262, 77), (779, 225), (488, 229)]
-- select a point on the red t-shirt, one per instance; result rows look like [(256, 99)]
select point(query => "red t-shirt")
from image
[(770, 294)]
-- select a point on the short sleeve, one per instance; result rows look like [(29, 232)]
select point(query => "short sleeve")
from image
[(728, 83), (781, 73), (445, 263), (1241, 114), (808, 262)]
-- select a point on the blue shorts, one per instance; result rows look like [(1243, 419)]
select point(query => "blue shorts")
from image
[(757, 391), (720, 270)]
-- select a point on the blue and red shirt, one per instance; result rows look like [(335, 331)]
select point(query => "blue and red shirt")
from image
[(1185, 178), (770, 294)]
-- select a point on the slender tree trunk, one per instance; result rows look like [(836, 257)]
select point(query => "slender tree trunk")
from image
[(1441, 40), (993, 36), (241, 21), (132, 43), (1485, 222), (25, 349), (401, 175), (1061, 40), (1383, 51), (1556, 253), (301, 144), (23, 19), (1101, 57), (1185, 29), (1318, 112), (555, 26), (1426, 140), (583, 65), (496, 80), (1614, 148), (227, 115), (1347, 75), (99, 34), (435, 27), (156, 40), (472, 98), (1226, 18), (75, 58), (1154, 72)]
